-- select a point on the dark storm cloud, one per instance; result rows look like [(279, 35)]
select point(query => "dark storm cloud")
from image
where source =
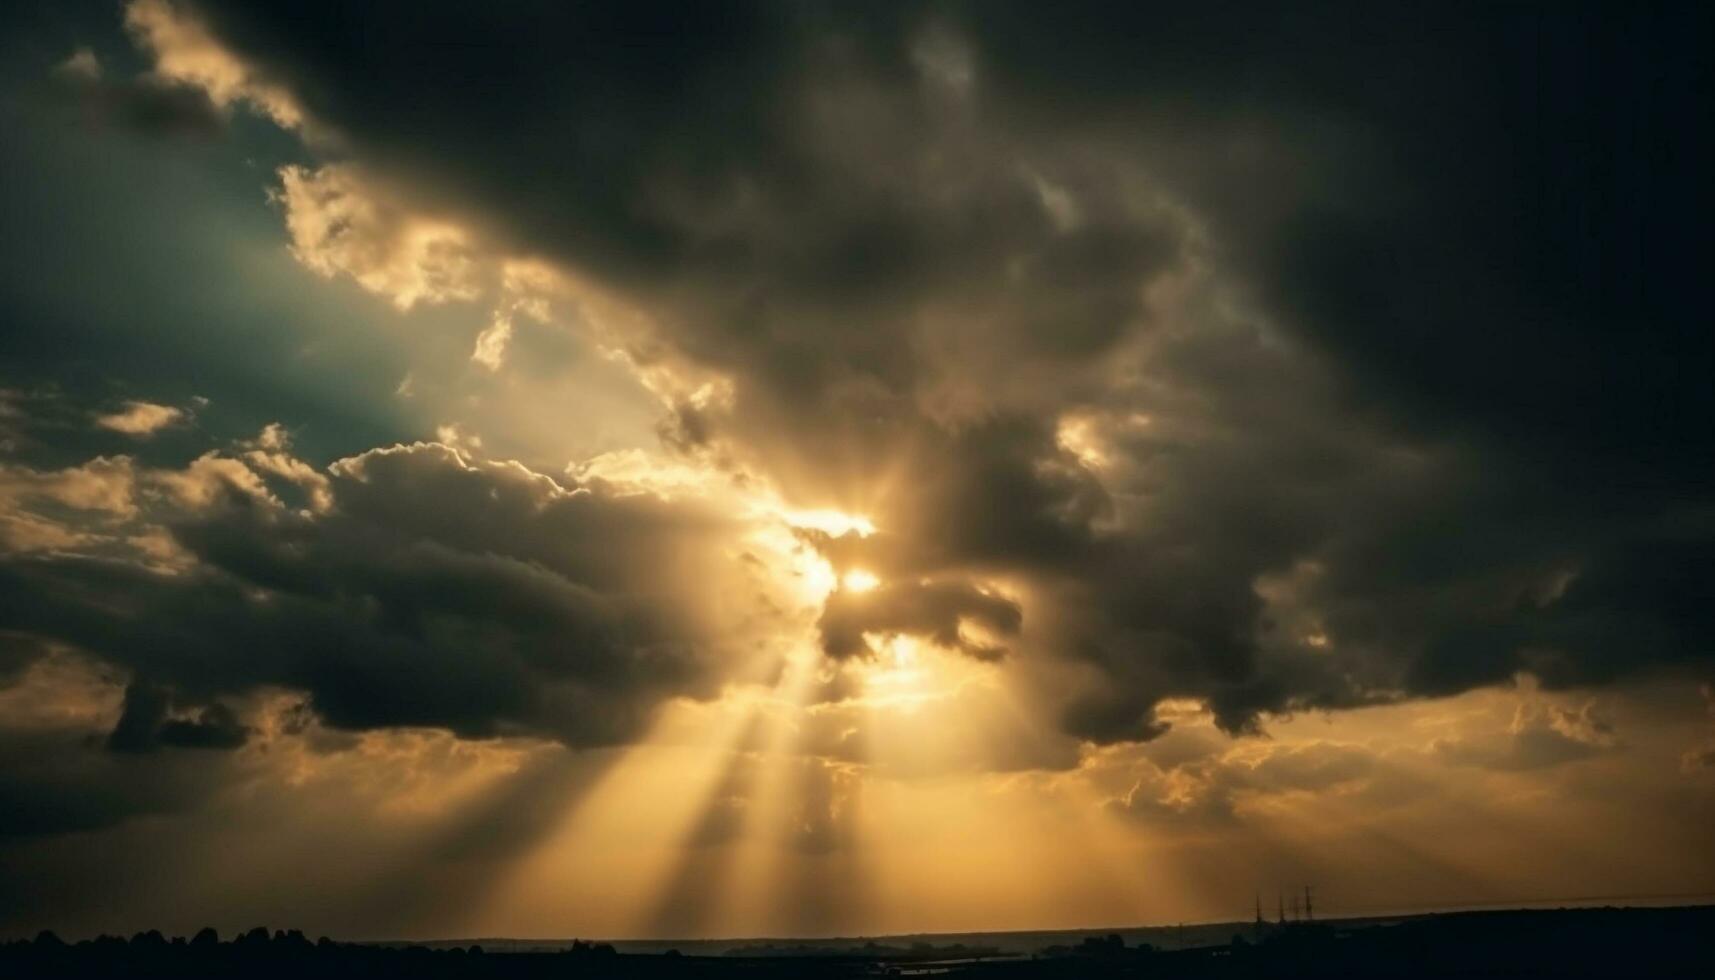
[(481, 598), (1385, 327), (1526, 166), (773, 175), (933, 610), (145, 723)]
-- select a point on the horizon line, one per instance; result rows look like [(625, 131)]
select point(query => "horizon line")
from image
[(1339, 913)]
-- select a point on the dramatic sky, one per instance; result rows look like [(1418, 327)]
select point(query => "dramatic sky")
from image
[(797, 468)]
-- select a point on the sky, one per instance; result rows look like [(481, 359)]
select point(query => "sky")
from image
[(798, 469)]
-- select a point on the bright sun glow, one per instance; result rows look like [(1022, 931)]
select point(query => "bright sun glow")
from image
[(858, 580)]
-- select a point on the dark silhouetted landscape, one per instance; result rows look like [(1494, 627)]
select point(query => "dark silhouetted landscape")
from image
[(1594, 942)]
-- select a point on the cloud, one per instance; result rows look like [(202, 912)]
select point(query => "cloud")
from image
[(1701, 758), (105, 485), (451, 434), (148, 722), (269, 455), (39, 509), (1207, 792), (337, 224), (1540, 736), (187, 54), (525, 293), (140, 418), (491, 344), (211, 478), (80, 66), (934, 611), (1265, 369), (53, 782), (86, 752), (421, 589)]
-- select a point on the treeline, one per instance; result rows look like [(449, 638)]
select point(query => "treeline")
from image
[(260, 955)]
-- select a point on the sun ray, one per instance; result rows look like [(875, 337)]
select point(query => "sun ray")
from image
[(607, 860)]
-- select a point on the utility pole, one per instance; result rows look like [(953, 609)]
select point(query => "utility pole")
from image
[(1281, 898), (1308, 917)]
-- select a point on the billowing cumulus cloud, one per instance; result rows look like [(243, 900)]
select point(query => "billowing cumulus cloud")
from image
[(416, 588)]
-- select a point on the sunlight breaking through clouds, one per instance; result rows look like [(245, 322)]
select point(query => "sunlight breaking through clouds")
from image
[(690, 471)]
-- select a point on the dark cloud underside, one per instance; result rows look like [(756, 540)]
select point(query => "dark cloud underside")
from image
[(1386, 329)]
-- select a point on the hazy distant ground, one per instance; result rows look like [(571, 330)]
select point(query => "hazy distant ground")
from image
[(1167, 937)]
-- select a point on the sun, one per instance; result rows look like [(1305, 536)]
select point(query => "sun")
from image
[(858, 580)]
